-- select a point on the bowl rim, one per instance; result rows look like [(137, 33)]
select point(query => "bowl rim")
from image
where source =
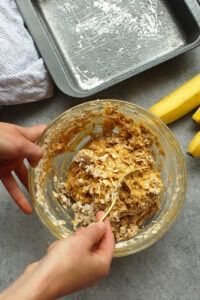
[(119, 252)]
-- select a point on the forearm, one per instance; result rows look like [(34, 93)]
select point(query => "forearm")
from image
[(30, 286)]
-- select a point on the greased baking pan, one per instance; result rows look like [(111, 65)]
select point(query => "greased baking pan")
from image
[(90, 45)]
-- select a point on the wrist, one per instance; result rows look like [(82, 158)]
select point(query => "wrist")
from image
[(46, 283), (53, 282), (33, 285)]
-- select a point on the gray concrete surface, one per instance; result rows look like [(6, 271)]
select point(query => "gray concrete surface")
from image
[(169, 269)]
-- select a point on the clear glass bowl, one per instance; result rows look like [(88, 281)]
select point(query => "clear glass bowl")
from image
[(58, 221)]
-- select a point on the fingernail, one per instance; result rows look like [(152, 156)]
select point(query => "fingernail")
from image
[(102, 225)]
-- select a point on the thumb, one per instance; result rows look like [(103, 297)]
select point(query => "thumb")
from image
[(93, 234), (32, 133)]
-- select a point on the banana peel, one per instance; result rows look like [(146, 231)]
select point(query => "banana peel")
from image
[(179, 102), (196, 116), (194, 146)]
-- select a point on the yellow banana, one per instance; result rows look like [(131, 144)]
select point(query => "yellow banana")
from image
[(194, 146), (179, 102), (196, 116)]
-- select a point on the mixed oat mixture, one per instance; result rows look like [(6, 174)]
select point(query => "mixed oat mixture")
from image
[(120, 164)]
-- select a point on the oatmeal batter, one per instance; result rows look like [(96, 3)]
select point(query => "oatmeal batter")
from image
[(101, 170)]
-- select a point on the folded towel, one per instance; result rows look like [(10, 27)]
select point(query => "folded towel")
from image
[(23, 75)]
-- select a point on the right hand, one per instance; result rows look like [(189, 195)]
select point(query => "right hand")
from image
[(71, 264), (80, 261)]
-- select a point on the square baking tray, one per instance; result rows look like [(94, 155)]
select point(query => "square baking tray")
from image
[(90, 45)]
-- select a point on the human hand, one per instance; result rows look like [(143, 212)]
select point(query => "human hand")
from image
[(80, 261), (16, 144), (71, 264)]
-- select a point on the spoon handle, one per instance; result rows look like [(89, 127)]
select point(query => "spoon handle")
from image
[(109, 210), (115, 198)]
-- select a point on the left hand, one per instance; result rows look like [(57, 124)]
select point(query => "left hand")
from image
[(16, 144)]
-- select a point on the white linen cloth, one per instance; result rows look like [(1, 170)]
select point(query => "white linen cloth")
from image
[(23, 75)]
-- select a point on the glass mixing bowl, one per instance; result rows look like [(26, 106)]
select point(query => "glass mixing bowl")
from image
[(42, 180)]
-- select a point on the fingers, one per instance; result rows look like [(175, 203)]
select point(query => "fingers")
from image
[(22, 148), (93, 234), (7, 166), (33, 163), (107, 243), (15, 192), (32, 133), (32, 152), (22, 173), (79, 230), (18, 142)]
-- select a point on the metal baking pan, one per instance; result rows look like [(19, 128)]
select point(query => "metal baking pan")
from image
[(90, 45)]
